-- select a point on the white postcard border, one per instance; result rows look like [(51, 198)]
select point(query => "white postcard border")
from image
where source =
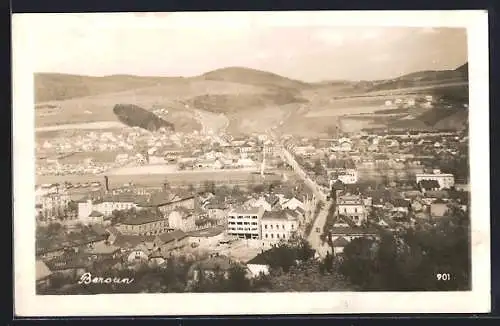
[(476, 301)]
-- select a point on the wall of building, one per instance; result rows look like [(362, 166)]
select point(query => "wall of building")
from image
[(276, 230), (156, 227), (445, 181), (244, 225)]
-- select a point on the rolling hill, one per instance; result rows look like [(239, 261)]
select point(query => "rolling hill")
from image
[(423, 78), (56, 87), (255, 77), (246, 97)]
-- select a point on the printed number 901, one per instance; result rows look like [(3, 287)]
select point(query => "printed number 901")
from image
[(443, 277)]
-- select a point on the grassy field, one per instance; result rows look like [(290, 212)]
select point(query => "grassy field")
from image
[(229, 177)]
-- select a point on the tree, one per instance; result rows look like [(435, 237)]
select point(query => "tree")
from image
[(358, 262), (411, 259), (237, 280)]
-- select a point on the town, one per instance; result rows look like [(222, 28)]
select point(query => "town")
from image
[(239, 208)]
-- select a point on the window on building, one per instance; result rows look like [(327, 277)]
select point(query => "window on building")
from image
[(266, 235), (278, 235), (277, 226), (272, 235), (271, 226), (284, 236), (283, 226), (345, 210), (355, 210), (265, 226)]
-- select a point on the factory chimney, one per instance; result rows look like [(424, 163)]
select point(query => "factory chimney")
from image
[(106, 183)]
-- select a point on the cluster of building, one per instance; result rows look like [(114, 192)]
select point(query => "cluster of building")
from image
[(392, 156), (95, 152)]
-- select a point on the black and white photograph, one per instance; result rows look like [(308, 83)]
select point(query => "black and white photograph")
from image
[(254, 155)]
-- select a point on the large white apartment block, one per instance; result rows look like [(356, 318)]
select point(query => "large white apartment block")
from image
[(279, 225), (352, 207), (244, 223), (445, 180)]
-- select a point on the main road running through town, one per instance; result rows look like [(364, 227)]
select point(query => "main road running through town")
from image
[(314, 237)]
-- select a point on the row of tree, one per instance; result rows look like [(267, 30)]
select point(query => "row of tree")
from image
[(412, 260)]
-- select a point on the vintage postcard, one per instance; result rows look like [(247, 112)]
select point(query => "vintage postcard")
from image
[(251, 163)]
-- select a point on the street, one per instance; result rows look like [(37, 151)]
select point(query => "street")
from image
[(314, 237)]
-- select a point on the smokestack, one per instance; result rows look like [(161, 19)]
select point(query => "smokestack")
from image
[(106, 183)]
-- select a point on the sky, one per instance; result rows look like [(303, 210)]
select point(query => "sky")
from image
[(169, 44)]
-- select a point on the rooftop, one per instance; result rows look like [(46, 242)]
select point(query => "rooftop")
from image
[(280, 215), (131, 241), (246, 210), (171, 236), (142, 220), (102, 249), (340, 242), (260, 259), (210, 232)]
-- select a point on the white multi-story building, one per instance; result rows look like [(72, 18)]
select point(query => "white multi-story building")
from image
[(105, 205), (445, 180), (279, 225), (245, 222), (352, 207)]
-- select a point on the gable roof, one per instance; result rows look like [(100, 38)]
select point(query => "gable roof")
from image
[(95, 214), (436, 194), (209, 232), (102, 249), (217, 262), (340, 242), (68, 261), (113, 230), (260, 259), (142, 220), (171, 236), (99, 229), (400, 202), (428, 184), (132, 241)]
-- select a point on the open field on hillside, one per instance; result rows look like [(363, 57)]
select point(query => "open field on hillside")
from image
[(419, 89), (258, 121), (342, 111)]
